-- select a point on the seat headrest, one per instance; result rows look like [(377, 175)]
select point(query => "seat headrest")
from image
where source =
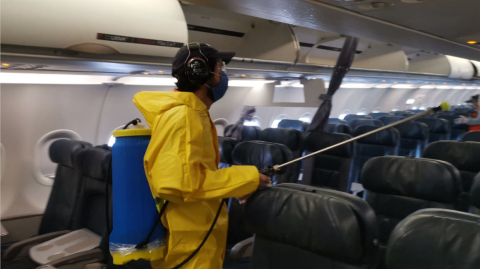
[(389, 137), (336, 121), (413, 130), (425, 179), (93, 162), (226, 146), (248, 132), (465, 156), (360, 122), (260, 154), (472, 136), (435, 238), (61, 151), (376, 116), (390, 119), (332, 224), (438, 126), (339, 128), (294, 124), (315, 141), (291, 138), (350, 117), (475, 192)]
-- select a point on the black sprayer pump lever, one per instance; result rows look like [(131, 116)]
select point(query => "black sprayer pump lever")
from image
[(273, 170)]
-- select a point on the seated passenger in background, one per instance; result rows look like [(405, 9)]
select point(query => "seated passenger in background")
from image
[(182, 159), (473, 123)]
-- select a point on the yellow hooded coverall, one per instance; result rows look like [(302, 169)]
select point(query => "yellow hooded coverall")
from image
[(181, 166)]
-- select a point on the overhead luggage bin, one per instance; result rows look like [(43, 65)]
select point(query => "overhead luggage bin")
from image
[(148, 27), (445, 65)]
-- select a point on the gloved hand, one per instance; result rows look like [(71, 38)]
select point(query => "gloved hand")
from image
[(461, 120)]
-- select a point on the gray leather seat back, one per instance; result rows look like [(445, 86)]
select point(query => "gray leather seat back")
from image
[(390, 119), (226, 146), (475, 195), (398, 186), (435, 239), (376, 116), (63, 198), (360, 122), (384, 143), (351, 117), (300, 226), (471, 137), (339, 128), (465, 156), (439, 129), (332, 168), (294, 124), (336, 120), (413, 138)]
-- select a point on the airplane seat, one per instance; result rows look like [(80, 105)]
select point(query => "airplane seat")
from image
[(291, 138), (351, 117), (435, 239), (413, 138), (294, 124), (91, 213), (378, 115), (465, 156), (332, 168), (298, 226), (59, 212), (458, 130), (390, 119), (475, 195), (471, 137), (361, 122), (336, 121), (398, 186), (339, 128), (226, 145), (439, 129), (261, 154), (249, 133), (386, 142), (398, 113)]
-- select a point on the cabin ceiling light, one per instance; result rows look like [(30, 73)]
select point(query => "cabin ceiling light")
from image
[(410, 101), (404, 86), (471, 88), (444, 87), (427, 87), (355, 86), (383, 86), (458, 88), (247, 83), (33, 78)]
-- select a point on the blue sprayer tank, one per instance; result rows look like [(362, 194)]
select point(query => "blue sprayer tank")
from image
[(134, 209)]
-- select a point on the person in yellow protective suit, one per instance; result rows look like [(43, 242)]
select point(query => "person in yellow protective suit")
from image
[(182, 159)]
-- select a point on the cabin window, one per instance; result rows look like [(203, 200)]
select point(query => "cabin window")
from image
[(111, 138), (220, 125), (254, 122), (410, 101), (362, 111), (344, 113), (395, 108), (307, 117), (43, 167), (277, 120), (377, 110)]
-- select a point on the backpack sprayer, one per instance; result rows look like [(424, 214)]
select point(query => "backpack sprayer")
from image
[(277, 169)]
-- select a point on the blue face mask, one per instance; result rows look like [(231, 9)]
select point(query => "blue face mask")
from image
[(220, 90)]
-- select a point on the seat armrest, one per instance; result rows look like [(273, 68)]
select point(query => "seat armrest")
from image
[(243, 249), (12, 251), (81, 258)]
